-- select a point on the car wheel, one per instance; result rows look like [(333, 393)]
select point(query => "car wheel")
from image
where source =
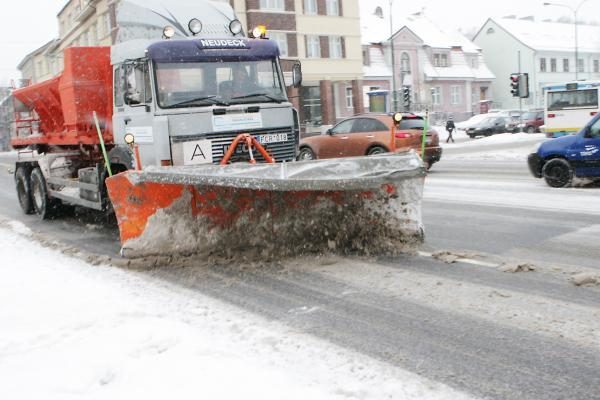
[(23, 187), (43, 205), (376, 150), (306, 154), (530, 129), (472, 136), (557, 173)]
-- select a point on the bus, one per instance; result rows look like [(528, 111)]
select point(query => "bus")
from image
[(569, 106)]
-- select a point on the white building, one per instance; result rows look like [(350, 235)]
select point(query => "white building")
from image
[(547, 54)]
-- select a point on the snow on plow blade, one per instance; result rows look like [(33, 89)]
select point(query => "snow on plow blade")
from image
[(366, 205)]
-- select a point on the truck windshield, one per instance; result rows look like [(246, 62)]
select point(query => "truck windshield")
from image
[(221, 83)]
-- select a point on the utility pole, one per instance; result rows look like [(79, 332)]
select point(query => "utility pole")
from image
[(520, 98), (394, 94)]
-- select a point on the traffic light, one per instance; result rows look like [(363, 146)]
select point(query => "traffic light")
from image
[(406, 96), (514, 85), (519, 85)]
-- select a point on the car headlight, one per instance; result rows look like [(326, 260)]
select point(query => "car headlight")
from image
[(536, 147)]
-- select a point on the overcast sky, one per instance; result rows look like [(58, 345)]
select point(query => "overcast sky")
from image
[(28, 24)]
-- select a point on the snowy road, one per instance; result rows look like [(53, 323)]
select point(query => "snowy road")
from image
[(411, 327)]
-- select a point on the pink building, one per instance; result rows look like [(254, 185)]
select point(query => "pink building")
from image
[(443, 72)]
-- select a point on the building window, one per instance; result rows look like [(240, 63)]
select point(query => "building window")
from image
[(553, 65), (313, 46), (405, 63), (580, 65), (436, 94), (310, 7), (335, 47), (542, 65), (277, 5), (93, 38), (565, 65), (440, 60), (332, 7), (596, 65), (281, 39), (455, 95), (107, 27), (84, 41), (349, 100)]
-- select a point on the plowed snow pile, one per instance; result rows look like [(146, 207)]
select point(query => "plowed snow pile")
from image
[(70, 330)]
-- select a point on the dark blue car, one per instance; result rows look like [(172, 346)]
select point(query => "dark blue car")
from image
[(559, 160)]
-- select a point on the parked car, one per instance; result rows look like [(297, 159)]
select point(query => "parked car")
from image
[(532, 121), (473, 121), (490, 125), (559, 160), (370, 134)]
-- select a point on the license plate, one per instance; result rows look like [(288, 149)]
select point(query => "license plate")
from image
[(272, 138)]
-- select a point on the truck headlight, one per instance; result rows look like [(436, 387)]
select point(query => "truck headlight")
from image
[(168, 32), (195, 26), (235, 26), (129, 138)]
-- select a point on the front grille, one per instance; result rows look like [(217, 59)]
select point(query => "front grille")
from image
[(282, 151)]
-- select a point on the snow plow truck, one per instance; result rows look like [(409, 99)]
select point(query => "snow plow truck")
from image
[(157, 129)]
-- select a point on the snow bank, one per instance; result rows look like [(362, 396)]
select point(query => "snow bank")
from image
[(70, 330)]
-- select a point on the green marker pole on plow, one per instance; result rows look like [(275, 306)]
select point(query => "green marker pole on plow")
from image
[(106, 162)]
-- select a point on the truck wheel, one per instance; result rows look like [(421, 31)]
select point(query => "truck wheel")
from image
[(24, 190), (557, 173), (44, 206)]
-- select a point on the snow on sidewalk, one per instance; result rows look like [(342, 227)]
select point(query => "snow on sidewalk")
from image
[(69, 330)]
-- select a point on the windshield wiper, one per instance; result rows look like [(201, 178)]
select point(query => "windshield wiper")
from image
[(268, 96), (212, 99)]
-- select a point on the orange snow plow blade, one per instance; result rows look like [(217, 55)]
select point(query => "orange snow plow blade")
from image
[(367, 205)]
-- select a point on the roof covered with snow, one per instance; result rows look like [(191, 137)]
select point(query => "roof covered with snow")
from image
[(465, 60), (550, 36), (377, 68), (376, 29)]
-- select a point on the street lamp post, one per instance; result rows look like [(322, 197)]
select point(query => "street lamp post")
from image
[(394, 94), (574, 11)]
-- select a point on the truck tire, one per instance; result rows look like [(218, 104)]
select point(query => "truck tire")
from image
[(23, 187), (557, 173), (43, 205)]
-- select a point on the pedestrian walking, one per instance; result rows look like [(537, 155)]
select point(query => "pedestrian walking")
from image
[(450, 127)]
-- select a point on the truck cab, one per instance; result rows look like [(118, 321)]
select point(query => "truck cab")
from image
[(559, 160), (185, 101)]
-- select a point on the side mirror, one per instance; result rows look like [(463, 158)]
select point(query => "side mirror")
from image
[(329, 132), (132, 97), (296, 74)]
